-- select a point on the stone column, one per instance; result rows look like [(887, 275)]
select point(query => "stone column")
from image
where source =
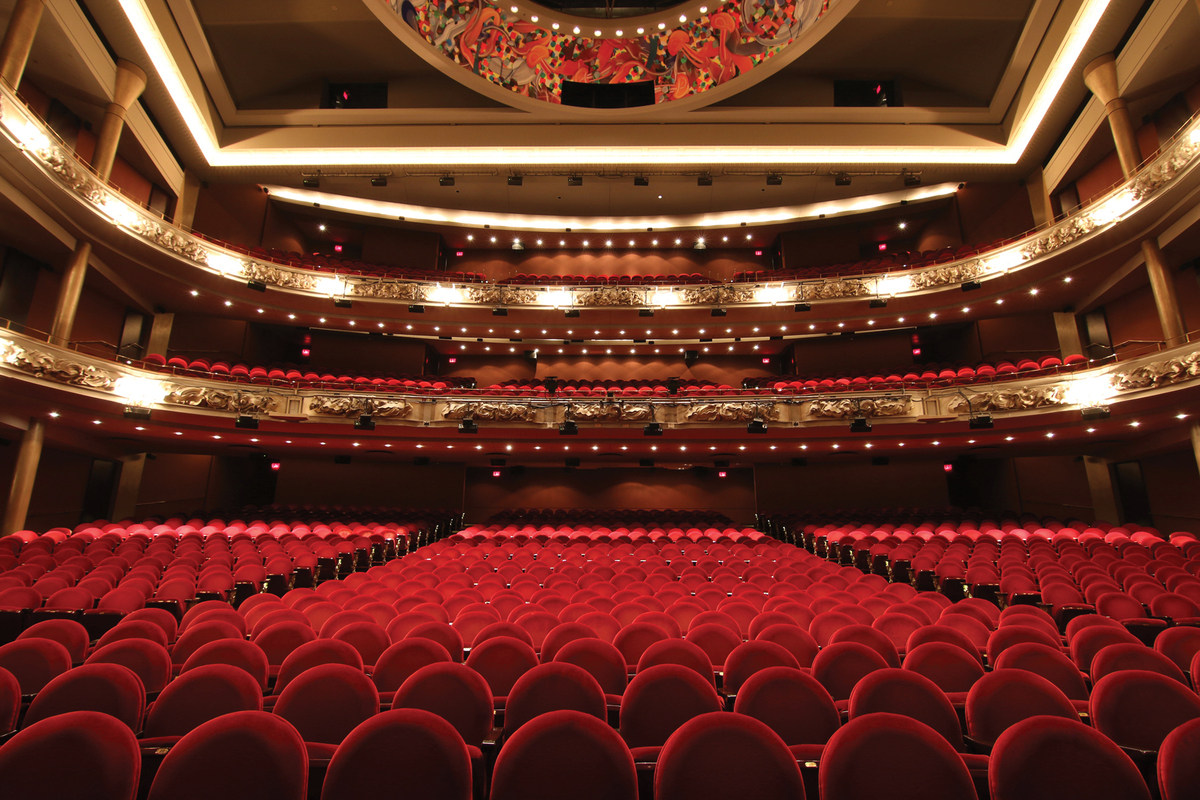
[(1196, 433), (1104, 493), (18, 40), (129, 483), (185, 205), (160, 334), (23, 477), (1039, 200), (1166, 299), (131, 80), (1069, 342), (1100, 76)]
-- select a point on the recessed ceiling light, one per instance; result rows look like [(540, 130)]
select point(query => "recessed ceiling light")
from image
[(1033, 291), (1091, 430), (1008, 438), (95, 422), (1181, 416), (179, 433), (1050, 435), (195, 293), (1134, 424), (321, 320), (217, 436), (140, 428), (228, 303)]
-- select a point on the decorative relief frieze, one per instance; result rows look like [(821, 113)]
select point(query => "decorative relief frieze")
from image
[(611, 296), (948, 274), (221, 399), (501, 295), (732, 411), (833, 289), (717, 295), (610, 412), (279, 276), (1060, 235), (1158, 373), (492, 411), (48, 366), (848, 408), (346, 406), (1024, 399), (389, 290)]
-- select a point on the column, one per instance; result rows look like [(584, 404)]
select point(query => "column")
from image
[(1104, 493), (23, 477), (129, 483), (130, 82), (1166, 299), (18, 40), (1039, 200), (1196, 434), (185, 205), (1069, 342), (1100, 76), (160, 334)]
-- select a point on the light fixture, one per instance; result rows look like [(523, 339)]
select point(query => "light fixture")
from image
[(704, 180), (515, 180), (718, 312), (568, 428), (860, 425), (879, 302), (574, 180), (379, 181), (468, 426), (1095, 413), (841, 179), (246, 421), (970, 286), (981, 422), (802, 307), (653, 429), (639, 180), (446, 180), (135, 412), (364, 423), (774, 179), (756, 426)]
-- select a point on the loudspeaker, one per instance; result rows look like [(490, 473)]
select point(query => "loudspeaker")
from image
[(691, 357), (341, 459), (572, 462)]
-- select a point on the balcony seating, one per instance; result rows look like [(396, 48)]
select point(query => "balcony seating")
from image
[(300, 375), (891, 262)]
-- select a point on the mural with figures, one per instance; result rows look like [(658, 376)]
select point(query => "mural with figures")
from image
[(682, 60)]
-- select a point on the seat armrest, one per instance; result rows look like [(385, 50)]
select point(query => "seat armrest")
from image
[(978, 747)]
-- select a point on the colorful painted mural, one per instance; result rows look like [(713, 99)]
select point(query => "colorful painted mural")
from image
[(682, 60)]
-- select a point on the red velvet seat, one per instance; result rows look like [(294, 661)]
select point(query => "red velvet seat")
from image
[(104, 761), (722, 755)]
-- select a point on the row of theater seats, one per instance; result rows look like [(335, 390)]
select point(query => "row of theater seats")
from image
[(889, 263), (927, 375), (605, 280), (300, 375), (346, 266), (791, 669)]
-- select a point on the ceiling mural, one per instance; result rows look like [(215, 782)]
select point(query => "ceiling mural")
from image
[(682, 60)]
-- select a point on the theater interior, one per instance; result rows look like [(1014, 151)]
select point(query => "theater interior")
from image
[(619, 400)]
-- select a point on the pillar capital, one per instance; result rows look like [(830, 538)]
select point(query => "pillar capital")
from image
[(130, 83), (1100, 77)]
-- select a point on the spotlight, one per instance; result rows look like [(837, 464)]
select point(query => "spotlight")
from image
[(673, 385), (342, 302), (860, 425), (518, 246), (970, 286), (574, 180), (911, 179), (379, 182), (446, 180), (568, 428), (640, 181), (841, 179), (1090, 414), (499, 312), (774, 179), (802, 307), (982, 422), (417, 309), (571, 313), (653, 429), (718, 312), (137, 412), (364, 423), (756, 426), (879, 302), (646, 312), (257, 286), (551, 385), (468, 426), (699, 245), (244, 421), (515, 180), (311, 183), (704, 180)]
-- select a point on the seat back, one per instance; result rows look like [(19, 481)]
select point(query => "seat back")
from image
[(660, 699), (791, 702), (564, 754), (553, 687), (108, 688), (502, 661), (601, 659), (199, 696), (456, 693), (1051, 758), (909, 694), (325, 703), (404, 658), (1138, 708), (1179, 762), (723, 755), (104, 759), (1003, 698), (246, 755)]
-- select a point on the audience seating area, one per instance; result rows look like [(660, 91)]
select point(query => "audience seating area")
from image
[(345, 266), (655, 662), (301, 375), (892, 262)]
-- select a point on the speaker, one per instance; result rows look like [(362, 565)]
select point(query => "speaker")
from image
[(646, 462), (691, 357), (341, 459), (421, 461), (630, 94), (572, 462)]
